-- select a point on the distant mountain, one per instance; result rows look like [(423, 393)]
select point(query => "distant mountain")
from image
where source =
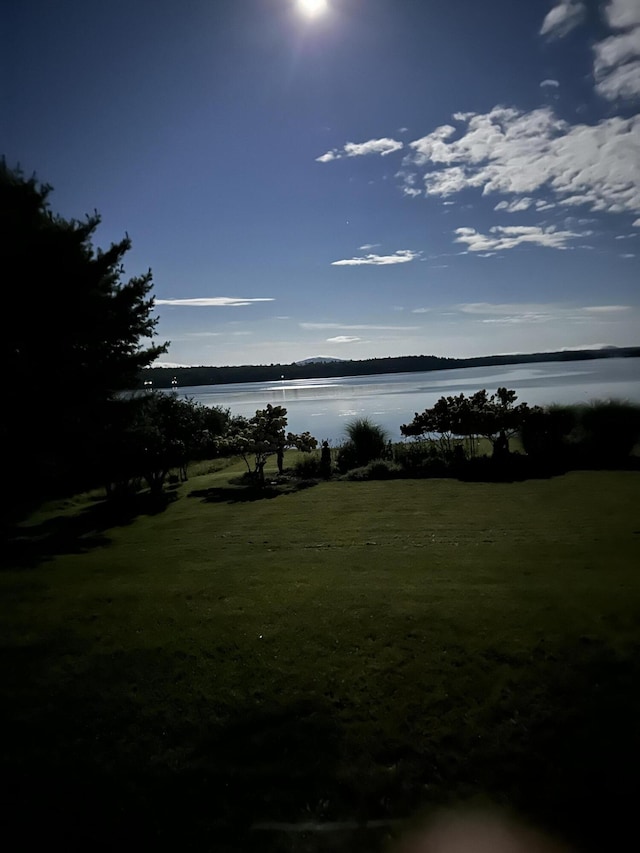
[(319, 359)]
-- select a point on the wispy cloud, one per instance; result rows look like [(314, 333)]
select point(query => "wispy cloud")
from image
[(536, 313), (357, 327), (382, 146), (507, 151), (420, 310), (343, 339), (563, 18), (213, 301), (508, 237), (549, 84), (605, 309), (516, 205), (367, 246), (402, 256)]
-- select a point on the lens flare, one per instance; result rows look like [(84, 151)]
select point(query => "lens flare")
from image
[(312, 8)]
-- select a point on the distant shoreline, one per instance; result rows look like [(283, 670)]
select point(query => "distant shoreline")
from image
[(167, 377)]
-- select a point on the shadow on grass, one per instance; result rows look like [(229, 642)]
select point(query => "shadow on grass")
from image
[(98, 766), (25, 546)]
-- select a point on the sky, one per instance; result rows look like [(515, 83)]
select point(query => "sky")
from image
[(347, 178)]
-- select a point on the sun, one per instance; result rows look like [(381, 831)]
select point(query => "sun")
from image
[(312, 8)]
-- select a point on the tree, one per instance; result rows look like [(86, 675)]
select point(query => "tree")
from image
[(494, 417), (73, 335), (259, 437)]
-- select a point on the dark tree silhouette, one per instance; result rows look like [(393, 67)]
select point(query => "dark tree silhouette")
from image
[(72, 334)]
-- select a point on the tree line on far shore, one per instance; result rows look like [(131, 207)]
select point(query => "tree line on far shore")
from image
[(185, 377)]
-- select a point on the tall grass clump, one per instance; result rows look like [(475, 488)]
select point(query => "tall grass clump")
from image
[(366, 441)]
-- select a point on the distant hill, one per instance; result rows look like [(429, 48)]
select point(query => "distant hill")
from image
[(319, 359)]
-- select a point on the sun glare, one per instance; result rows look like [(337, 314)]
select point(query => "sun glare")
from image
[(312, 8)]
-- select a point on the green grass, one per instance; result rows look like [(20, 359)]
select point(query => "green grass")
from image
[(351, 650)]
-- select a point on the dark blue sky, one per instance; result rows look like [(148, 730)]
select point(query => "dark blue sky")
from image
[(386, 177)]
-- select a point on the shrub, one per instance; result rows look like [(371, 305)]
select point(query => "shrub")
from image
[(417, 458), (548, 434), (602, 433), (346, 458), (308, 468), (610, 430), (377, 469)]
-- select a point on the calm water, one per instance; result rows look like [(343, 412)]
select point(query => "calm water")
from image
[(323, 406)]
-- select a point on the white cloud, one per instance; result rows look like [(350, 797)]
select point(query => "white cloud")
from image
[(213, 301), (628, 255), (508, 237), (636, 223), (357, 327), (402, 256), (382, 146), (616, 65), (515, 206), (367, 246), (343, 339), (623, 13), (615, 50), (328, 156), (507, 151), (563, 18), (421, 310), (549, 84), (621, 83)]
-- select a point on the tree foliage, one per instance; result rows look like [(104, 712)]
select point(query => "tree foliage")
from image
[(155, 434), (257, 438), (74, 333), (494, 417)]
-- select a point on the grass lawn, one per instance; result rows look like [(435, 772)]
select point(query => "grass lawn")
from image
[(352, 650)]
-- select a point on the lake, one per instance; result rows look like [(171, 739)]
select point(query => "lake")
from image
[(324, 406)]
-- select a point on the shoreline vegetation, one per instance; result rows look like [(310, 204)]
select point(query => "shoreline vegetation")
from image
[(168, 377)]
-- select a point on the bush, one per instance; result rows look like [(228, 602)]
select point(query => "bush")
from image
[(602, 433), (308, 468), (377, 469), (346, 458), (419, 458), (610, 430), (547, 435)]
